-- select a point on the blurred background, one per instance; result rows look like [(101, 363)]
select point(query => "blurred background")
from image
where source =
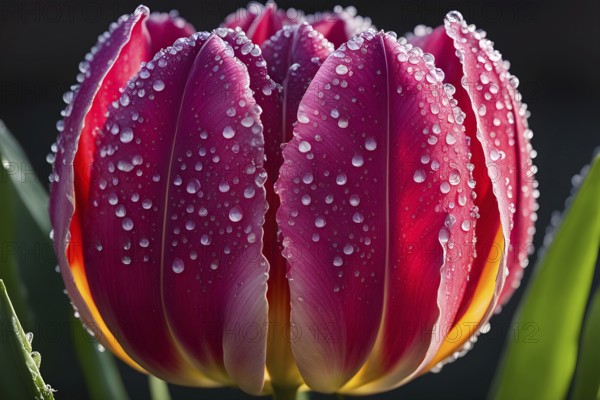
[(554, 49)]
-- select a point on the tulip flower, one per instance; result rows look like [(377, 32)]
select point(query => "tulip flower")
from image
[(354, 260)]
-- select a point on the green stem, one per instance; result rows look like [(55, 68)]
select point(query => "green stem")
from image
[(159, 390), (287, 393)]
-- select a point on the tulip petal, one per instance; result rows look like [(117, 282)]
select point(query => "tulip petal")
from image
[(294, 55), (501, 119), (375, 236), (166, 28), (259, 21), (340, 24), (170, 187), (104, 68), (487, 93), (480, 296)]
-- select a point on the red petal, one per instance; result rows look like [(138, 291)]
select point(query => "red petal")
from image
[(259, 21), (113, 60), (294, 55), (489, 97), (340, 24), (166, 180), (362, 237), (165, 29)]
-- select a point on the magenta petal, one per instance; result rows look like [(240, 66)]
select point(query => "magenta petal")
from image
[(369, 190), (102, 72), (166, 28), (501, 119), (340, 25), (178, 207), (294, 55), (259, 21)]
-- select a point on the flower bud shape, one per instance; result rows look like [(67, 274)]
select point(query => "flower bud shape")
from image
[(251, 207)]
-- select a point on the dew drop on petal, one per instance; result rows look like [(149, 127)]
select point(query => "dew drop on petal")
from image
[(419, 176), (466, 225), (178, 265), (127, 224), (193, 186), (158, 85), (341, 69), (235, 214), (228, 132), (304, 146)]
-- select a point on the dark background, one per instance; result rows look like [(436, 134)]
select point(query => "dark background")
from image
[(554, 48)]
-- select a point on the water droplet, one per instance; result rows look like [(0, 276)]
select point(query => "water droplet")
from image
[(341, 69), (193, 186), (304, 146), (341, 179), (126, 260), (370, 143), (120, 211), (158, 85), (127, 224), (354, 200), (178, 265), (419, 176), (444, 187), (348, 249), (126, 135), (320, 222), (247, 122), (450, 139), (224, 187), (443, 236), (228, 132), (249, 192), (343, 123), (466, 225), (235, 214), (358, 217), (357, 160), (337, 261), (205, 239)]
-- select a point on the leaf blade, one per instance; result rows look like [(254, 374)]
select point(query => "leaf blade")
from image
[(26, 184), (587, 378), (558, 318), (20, 365)]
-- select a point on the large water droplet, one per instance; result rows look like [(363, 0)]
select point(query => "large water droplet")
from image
[(178, 265), (158, 85), (235, 214)]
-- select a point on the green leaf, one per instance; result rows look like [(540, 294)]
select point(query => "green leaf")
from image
[(159, 390), (18, 169), (541, 364), (8, 250), (587, 377), (98, 366), (20, 377)]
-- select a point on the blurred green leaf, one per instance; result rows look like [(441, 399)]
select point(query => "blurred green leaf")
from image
[(19, 170), (554, 305), (99, 367), (159, 390), (20, 377), (587, 377), (8, 260)]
